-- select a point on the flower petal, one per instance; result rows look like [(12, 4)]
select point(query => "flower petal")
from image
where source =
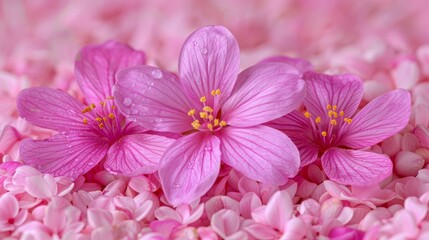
[(261, 153), (97, 65), (209, 60), (345, 91), (136, 154), (263, 92), (154, 98), (64, 154), (379, 119), (189, 167), (50, 108), (356, 167), (9, 207), (300, 64), (298, 129)]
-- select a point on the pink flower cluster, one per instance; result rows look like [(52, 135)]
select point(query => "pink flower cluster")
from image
[(104, 146)]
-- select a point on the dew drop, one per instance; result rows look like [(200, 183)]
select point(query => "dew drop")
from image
[(69, 145), (191, 164), (195, 43), (208, 148), (157, 74), (176, 185), (127, 101), (90, 164), (135, 111), (204, 51)]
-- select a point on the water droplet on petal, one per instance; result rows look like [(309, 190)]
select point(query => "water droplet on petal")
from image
[(204, 51), (134, 111), (208, 148), (191, 164), (69, 145), (176, 185), (127, 101), (195, 43), (157, 74)]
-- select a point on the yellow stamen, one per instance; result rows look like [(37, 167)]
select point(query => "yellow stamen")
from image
[(92, 106), (348, 120), (105, 119), (207, 109), (210, 126), (113, 106), (85, 121), (334, 107), (216, 122), (324, 133), (196, 124), (111, 116), (98, 119), (333, 122), (341, 113), (213, 92), (110, 97), (218, 91), (318, 120), (101, 125), (329, 107), (222, 123), (203, 115), (191, 112), (211, 117), (203, 99), (307, 114), (102, 103)]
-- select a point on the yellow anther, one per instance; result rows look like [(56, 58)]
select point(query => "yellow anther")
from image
[(307, 114), (341, 113), (208, 109), (98, 119), (318, 120), (203, 99), (324, 133), (348, 120), (335, 114), (216, 122), (101, 125), (85, 121), (113, 107), (210, 117), (222, 123), (102, 103), (328, 107), (105, 119), (196, 124), (333, 122), (334, 107), (213, 92), (110, 97), (111, 116), (203, 115), (92, 106), (210, 126), (218, 91), (191, 112)]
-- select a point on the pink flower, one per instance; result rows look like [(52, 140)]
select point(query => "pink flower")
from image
[(10, 214), (330, 129), (218, 112), (89, 134)]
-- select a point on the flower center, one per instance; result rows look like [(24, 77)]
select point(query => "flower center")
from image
[(328, 128), (105, 117), (207, 119)]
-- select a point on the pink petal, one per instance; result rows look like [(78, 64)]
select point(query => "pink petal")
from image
[(345, 91), (298, 129), (356, 167), (300, 64), (189, 167), (97, 65), (209, 60), (64, 154), (136, 154), (379, 119), (261, 231), (153, 98), (263, 93), (225, 222), (41, 186), (50, 108), (99, 218), (217, 203), (8, 207), (279, 210), (55, 217), (261, 153)]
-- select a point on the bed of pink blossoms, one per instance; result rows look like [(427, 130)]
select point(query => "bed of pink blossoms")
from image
[(386, 49)]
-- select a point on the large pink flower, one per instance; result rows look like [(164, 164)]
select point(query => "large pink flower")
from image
[(331, 130), (92, 133), (219, 114)]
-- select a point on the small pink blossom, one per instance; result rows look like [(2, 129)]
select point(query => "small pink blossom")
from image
[(89, 134), (330, 129), (218, 112)]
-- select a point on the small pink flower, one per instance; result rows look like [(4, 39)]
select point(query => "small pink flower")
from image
[(10, 214), (89, 134), (218, 112), (330, 129)]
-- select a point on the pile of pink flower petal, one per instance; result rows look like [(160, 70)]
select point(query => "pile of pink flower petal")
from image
[(383, 43)]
